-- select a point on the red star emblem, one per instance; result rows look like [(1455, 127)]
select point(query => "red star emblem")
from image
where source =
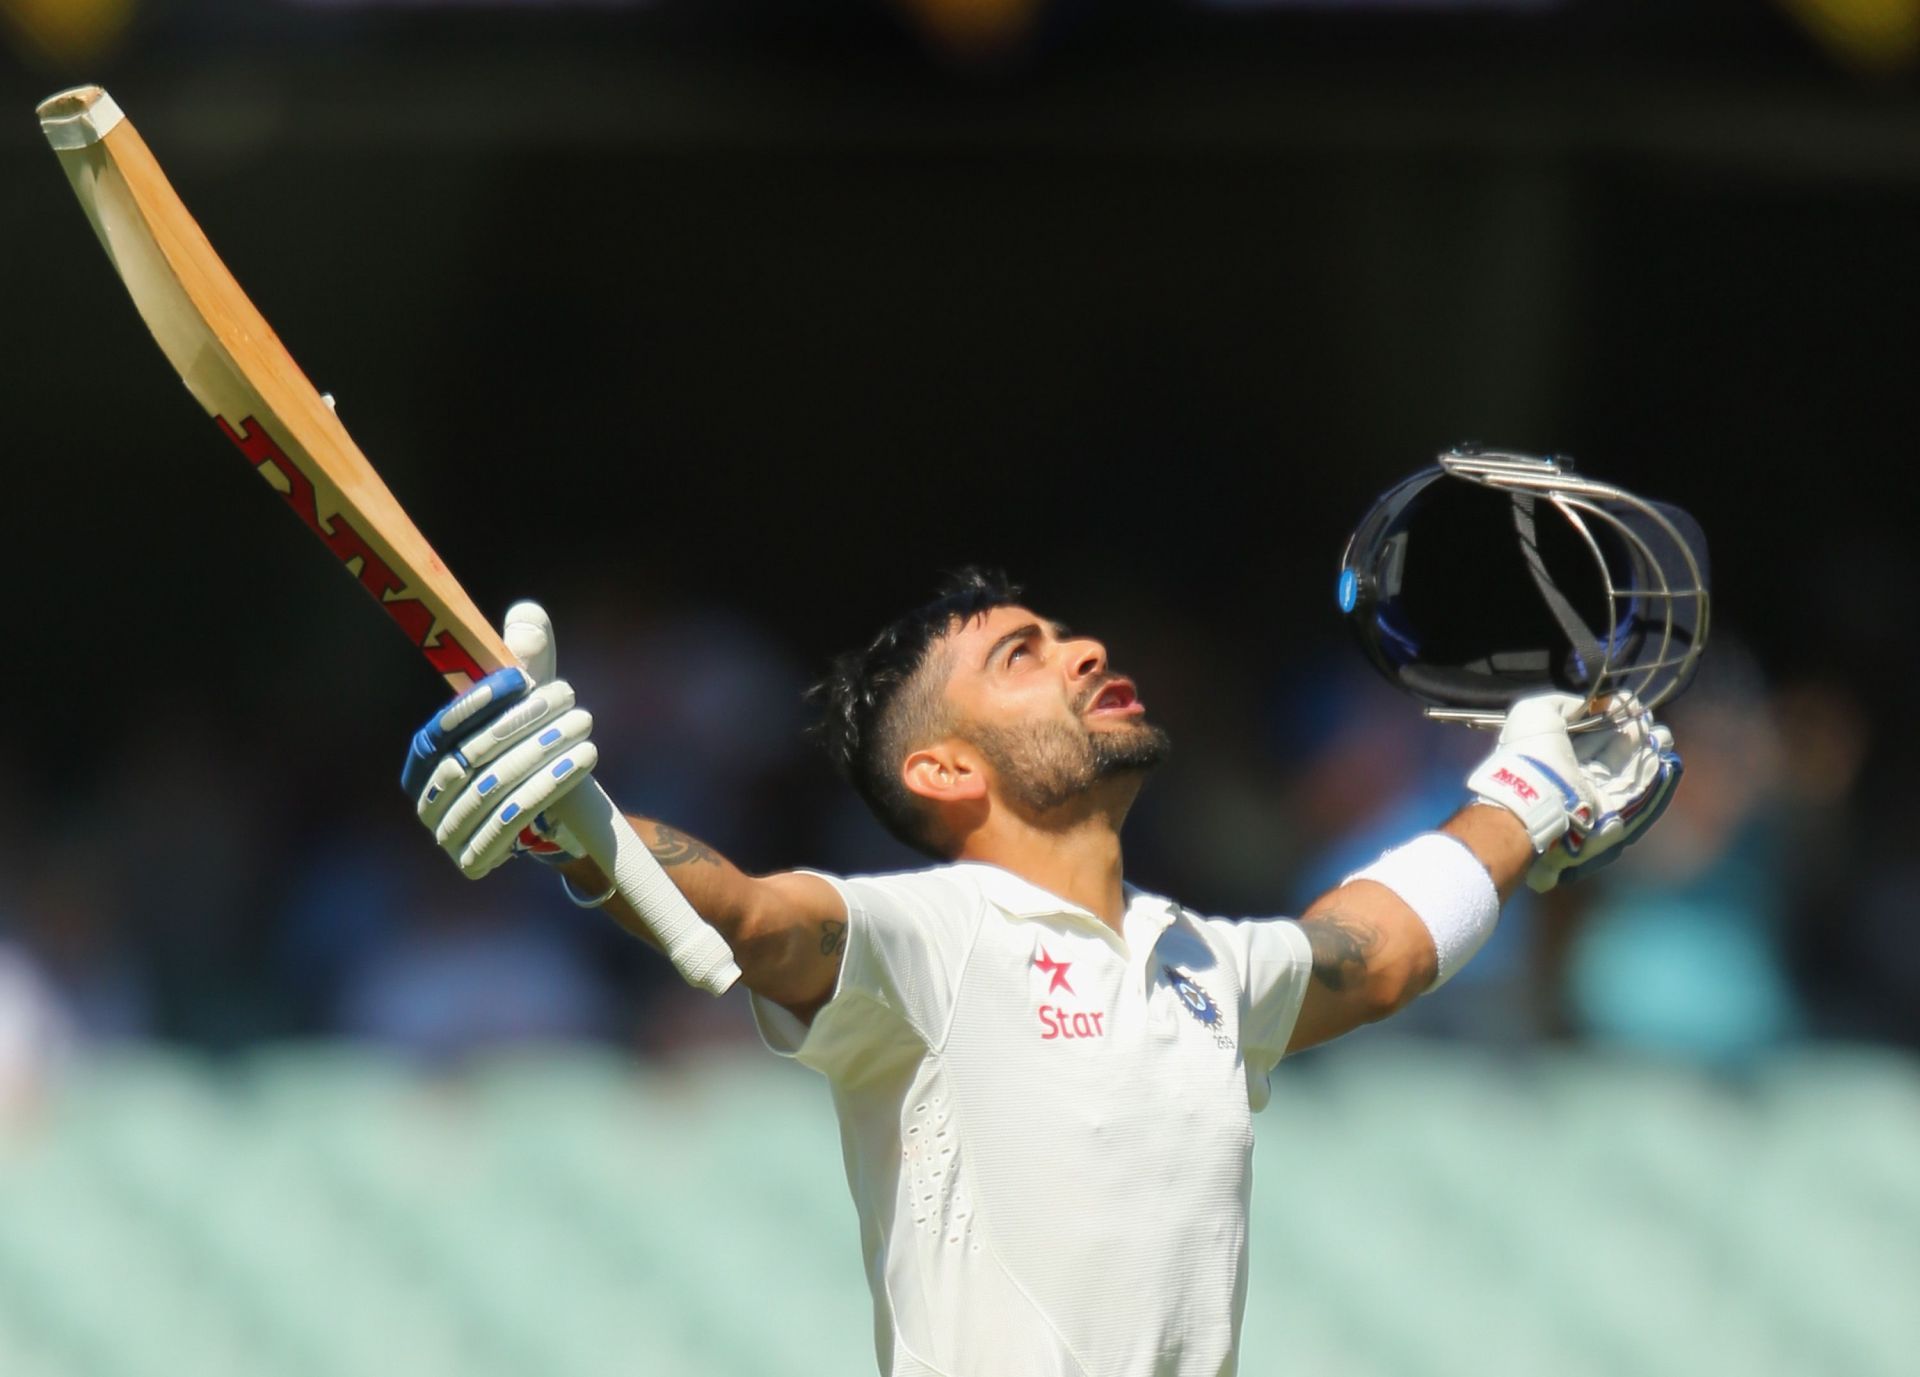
[(1056, 969)]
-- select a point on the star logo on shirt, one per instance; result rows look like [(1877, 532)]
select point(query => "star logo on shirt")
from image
[(1057, 970)]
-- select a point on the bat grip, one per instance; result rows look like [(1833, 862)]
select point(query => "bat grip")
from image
[(696, 950)]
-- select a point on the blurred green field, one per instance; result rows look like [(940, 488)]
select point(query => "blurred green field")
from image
[(1419, 1212)]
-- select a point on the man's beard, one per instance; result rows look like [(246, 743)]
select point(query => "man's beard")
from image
[(1043, 766)]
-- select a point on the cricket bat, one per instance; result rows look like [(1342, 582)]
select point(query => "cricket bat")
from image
[(237, 369)]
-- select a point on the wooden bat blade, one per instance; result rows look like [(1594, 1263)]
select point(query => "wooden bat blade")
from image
[(237, 369)]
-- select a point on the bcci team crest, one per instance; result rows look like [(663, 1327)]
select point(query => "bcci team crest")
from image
[(1199, 1003)]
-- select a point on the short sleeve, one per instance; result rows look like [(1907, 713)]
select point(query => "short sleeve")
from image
[(1275, 962), (908, 937)]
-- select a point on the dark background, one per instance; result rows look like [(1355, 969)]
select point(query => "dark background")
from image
[(723, 331)]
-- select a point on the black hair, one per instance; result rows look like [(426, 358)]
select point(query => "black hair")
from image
[(875, 706)]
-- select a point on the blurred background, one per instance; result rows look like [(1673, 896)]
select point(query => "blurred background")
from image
[(782, 310)]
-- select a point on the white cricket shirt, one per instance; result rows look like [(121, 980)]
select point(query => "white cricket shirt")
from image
[(1047, 1124)]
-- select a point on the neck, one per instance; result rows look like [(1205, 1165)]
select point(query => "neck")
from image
[(1075, 854)]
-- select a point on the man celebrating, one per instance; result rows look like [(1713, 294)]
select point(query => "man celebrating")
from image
[(1044, 1077)]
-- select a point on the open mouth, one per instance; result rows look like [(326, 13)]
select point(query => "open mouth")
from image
[(1116, 698)]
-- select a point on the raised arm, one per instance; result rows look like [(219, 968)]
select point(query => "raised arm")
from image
[(1372, 953), (786, 930), (1546, 805), (485, 768)]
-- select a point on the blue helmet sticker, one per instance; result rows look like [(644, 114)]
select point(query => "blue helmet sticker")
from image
[(1349, 589)]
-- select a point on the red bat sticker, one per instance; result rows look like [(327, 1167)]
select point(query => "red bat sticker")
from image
[(443, 652)]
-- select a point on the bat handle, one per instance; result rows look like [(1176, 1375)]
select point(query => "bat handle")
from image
[(696, 950)]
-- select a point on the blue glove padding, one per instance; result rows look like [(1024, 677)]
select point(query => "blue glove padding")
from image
[(472, 710), (483, 767)]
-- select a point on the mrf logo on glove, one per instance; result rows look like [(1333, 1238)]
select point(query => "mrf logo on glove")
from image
[(1525, 791), (1533, 771)]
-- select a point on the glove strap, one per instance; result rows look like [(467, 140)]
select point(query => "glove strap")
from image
[(574, 898), (1543, 801)]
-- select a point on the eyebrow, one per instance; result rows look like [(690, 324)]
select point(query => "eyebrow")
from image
[(1020, 633)]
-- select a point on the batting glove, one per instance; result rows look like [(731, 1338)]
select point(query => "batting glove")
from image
[(1631, 769), (1582, 799), (1534, 772), (483, 768)]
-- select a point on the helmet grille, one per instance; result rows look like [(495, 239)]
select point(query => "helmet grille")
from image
[(1494, 575)]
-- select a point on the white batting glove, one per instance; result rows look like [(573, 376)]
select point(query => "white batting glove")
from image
[(1631, 768), (483, 768), (1534, 772), (1582, 799)]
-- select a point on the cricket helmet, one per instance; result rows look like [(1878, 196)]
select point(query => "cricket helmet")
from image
[(1495, 575)]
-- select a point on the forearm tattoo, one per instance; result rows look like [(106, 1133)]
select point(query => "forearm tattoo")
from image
[(670, 846), (833, 937), (1341, 947)]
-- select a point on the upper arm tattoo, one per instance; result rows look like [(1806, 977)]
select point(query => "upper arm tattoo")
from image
[(833, 937), (1342, 945), (670, 846)]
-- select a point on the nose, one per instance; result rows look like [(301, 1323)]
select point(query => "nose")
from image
[(1086, 658)]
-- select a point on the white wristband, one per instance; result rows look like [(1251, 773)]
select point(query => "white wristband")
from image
[(1446, 886)]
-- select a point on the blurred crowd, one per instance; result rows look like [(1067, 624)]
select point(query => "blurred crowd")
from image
[(1214, 247), (221, 916)]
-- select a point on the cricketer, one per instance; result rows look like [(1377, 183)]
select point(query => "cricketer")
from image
[(1045, 1078)]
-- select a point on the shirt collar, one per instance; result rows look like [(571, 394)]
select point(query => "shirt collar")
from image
[(1023, 899), (1019, 898)]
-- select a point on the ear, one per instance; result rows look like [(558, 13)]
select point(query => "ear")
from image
[(944, 773)]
